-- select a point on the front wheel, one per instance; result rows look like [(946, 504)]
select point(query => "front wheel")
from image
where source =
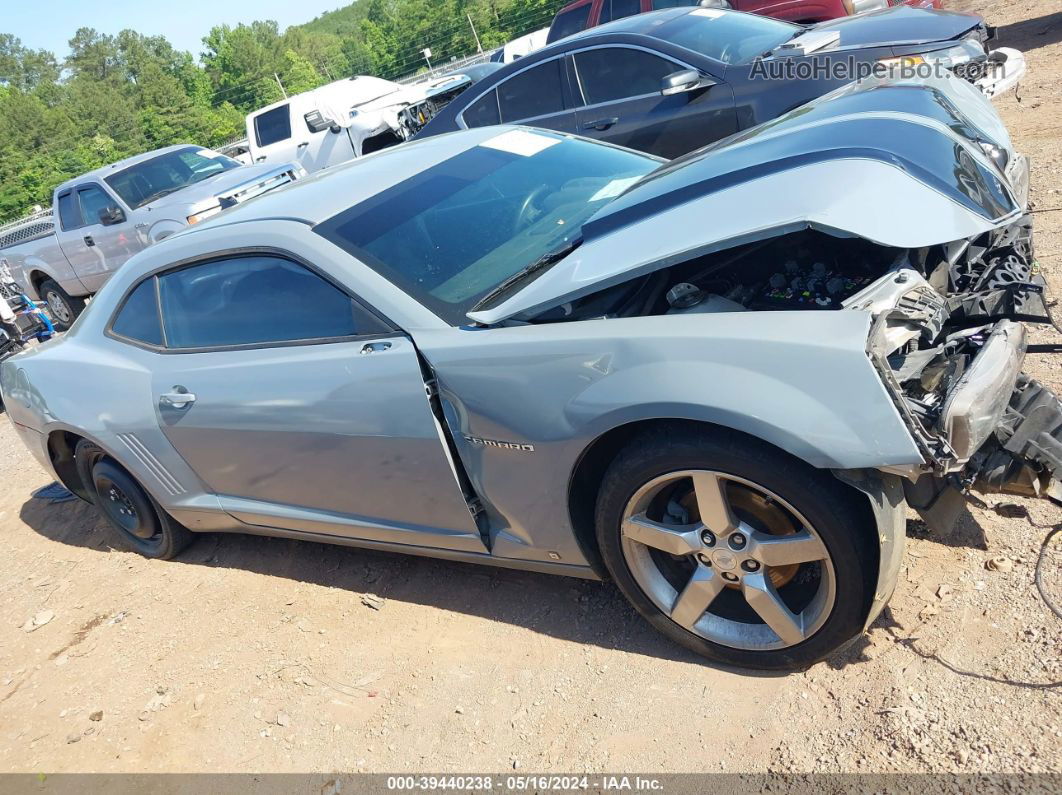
[(736, 550), (62, 306)]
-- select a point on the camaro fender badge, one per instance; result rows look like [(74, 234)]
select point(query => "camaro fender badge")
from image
[(527, 448)]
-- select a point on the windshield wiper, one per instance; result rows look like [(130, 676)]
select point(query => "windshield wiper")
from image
[(540, 264)]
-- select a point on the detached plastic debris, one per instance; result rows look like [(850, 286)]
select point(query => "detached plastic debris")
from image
[(54, 493)]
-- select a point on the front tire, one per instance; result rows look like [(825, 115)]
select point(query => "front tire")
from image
[(62, 306), (736, 550)]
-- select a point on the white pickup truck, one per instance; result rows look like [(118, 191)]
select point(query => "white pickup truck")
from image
[(346, 119), (102, 218)]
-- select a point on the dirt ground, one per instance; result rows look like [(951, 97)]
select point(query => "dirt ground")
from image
[(254, 654)]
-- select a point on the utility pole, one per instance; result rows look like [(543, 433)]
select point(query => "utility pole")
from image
[(479, 47), (282, 91)]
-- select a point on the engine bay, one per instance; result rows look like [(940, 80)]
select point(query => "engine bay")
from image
[(947, 321)]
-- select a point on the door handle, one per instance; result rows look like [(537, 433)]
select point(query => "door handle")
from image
[(179, 398), (601, 124), (260, 159), (374, 347), (303, 144), (89, 241)]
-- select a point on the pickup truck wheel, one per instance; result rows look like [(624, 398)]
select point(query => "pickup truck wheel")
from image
[(63, 307), (136, 519), (735, 550)]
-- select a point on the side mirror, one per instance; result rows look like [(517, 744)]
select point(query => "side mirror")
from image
[(316, 122), (684, 81), (109, 216)]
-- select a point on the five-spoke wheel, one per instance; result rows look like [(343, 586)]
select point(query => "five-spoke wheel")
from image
[(735, 549), (695, 539)]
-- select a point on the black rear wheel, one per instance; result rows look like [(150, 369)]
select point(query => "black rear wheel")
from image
[(136, 519)]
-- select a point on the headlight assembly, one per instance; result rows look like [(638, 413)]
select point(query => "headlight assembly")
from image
[(202, 215)]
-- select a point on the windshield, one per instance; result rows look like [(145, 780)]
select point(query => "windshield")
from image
[(160, 176), (453, 233), (727, 36)]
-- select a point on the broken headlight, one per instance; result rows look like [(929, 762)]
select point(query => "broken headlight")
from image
[(975, 406)]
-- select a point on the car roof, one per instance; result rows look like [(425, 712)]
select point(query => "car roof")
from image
[(327, 192), (105, 171)]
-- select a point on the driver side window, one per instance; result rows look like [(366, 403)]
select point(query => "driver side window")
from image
[(251, 300), (242, 301)]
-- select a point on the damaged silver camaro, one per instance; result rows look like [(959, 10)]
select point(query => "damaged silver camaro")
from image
[(719, 381)]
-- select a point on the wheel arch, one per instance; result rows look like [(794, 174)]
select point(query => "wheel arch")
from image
[(585, 480)]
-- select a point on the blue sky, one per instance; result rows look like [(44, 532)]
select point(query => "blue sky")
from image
[(51, 23)]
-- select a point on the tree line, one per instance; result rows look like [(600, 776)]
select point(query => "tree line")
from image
[(117, 95)]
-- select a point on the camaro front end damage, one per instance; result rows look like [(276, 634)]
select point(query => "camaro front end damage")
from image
[(952, 354)]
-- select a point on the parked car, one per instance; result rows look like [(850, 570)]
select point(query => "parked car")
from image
[(521, 46), (477, 71), (583, 14), (346, 119), (672, 81), (102, 218), (719, 380)]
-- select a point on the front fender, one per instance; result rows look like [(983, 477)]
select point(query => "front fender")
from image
[(798, 380)]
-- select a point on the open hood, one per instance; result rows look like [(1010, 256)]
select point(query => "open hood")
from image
[(901, 163)]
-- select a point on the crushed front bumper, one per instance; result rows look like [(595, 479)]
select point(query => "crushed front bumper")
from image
[(1004, 69)]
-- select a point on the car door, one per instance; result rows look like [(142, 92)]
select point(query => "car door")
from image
[(111, 245), (295, 405), (620, 88), (538, 95), (273, 137), (77, 238)]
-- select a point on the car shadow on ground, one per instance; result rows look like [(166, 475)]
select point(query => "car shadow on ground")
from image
[(580, 611), (1030, 34)]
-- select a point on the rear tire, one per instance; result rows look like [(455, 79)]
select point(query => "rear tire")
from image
[(63, 308), (135, 518), (710, 534)]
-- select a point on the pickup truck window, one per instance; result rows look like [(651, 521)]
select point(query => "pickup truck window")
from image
[(618, 9), (251, 301), (69, 212), (167, 173), (92, 200), (272, 126), (138, 319), (568, 22)]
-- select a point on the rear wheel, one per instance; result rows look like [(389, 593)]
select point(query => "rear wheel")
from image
[(62, 307), (137, 521), (734, 549)]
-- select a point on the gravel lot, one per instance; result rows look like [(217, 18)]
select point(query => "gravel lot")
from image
[(253, 654)]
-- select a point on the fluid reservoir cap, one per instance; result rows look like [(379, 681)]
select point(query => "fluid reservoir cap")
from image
[(684, 295)]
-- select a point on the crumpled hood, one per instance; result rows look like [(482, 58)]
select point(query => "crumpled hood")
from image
[(899, 26), (901, 163)]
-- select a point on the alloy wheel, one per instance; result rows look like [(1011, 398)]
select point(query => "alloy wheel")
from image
[(57, 306), (728, 560)]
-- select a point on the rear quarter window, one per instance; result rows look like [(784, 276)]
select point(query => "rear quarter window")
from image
[(138, 319), (483, 112)]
